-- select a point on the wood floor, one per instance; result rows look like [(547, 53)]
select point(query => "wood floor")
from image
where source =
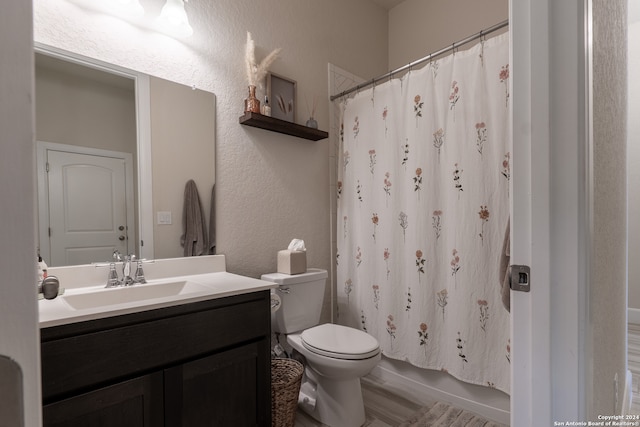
[(384, 405)]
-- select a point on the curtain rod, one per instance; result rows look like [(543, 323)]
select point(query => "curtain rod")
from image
[(421, 60)]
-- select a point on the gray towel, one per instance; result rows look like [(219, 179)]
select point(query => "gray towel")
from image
[(212, 222), (194, 237), (505, 257)]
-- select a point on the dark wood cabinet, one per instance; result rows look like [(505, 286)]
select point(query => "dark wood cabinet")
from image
[(199, 364), (219, 390), (133, 403)]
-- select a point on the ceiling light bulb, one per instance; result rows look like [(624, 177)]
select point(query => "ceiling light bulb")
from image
[(173, 19)]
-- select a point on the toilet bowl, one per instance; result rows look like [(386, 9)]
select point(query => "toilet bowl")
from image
[(336, 356)]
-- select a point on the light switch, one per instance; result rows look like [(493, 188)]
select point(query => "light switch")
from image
[(164, 217)]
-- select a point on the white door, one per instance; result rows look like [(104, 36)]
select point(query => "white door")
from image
[(87, 207)]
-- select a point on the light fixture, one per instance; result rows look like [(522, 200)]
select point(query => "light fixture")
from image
[(173, 19), (126, 8)]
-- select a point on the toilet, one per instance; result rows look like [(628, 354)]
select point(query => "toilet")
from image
[(336, 356)]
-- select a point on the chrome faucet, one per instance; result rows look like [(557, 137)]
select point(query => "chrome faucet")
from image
[(127, 278)]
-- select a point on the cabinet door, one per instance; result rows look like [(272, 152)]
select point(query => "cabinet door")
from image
[(231, 388), (134, 403)]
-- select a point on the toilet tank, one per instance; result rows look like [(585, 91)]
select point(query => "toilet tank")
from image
[(302, 296)]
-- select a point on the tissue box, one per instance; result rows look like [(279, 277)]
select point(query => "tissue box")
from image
[(292, 262)]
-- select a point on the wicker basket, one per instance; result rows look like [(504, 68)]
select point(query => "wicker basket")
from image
[(286, 376)]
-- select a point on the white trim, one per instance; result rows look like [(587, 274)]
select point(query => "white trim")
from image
[(570, 212), (550, 211), (530, 312), (585, 358), (145, 170), (42, 208), (627, 398), (76, 58), (633, 316)]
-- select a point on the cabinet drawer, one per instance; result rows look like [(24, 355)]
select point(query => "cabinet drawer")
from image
[(84, 361)]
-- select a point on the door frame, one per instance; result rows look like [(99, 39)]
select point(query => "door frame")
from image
[(43, 190), (551, 210), (145, 220)]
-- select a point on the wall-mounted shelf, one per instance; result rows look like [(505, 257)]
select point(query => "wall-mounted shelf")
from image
[(282, 126)]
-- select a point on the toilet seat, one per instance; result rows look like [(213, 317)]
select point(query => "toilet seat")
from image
[(339, 342)]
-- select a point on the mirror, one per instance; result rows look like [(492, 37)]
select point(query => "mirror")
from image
[(115, 149)]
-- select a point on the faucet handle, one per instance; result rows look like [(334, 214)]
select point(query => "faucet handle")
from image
[(139, 275), (112, 278)]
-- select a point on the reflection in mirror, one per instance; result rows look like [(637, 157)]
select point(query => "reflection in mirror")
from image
[(115, 149)]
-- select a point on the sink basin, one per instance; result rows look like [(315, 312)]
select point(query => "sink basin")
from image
[(136, 293)]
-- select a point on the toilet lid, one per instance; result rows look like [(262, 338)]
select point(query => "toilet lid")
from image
[(340, 342)]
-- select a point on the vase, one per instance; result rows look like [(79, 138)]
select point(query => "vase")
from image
[(252, 104), (311, 123)]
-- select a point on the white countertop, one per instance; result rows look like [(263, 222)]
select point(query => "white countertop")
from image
[(204, 285)]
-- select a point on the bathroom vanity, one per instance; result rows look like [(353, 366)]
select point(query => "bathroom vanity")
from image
[(197, 359)]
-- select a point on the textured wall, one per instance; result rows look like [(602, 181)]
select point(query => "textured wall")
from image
[(420, 27), (270, 188), (609, 268)]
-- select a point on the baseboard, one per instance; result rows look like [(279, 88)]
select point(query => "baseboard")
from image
[(627, 396), (420, 388), (633, 316)]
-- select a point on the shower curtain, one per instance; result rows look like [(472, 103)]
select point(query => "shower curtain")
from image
[(423, 189)]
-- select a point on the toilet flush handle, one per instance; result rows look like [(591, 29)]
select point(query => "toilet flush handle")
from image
[(284, 289)]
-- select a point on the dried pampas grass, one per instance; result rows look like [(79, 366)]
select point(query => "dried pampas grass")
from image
[(256, 72)]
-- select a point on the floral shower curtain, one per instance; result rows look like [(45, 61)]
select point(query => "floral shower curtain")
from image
[(423, 189)]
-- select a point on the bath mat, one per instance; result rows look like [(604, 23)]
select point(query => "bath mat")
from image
[(445, 415)]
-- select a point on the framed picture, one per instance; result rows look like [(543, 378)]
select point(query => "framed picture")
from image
[(282, 97)]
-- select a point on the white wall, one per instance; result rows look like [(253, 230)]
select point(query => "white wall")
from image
[(420, 27), (19, 334)]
